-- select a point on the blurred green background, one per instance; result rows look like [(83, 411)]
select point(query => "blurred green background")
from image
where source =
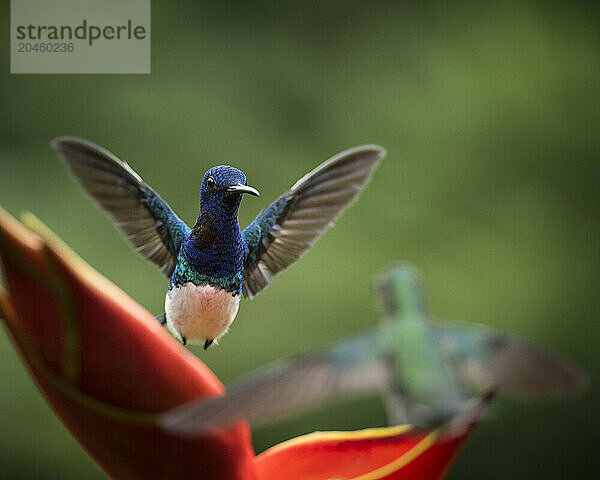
[(490, 113)]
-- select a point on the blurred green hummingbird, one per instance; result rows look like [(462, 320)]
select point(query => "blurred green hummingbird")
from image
[(430, 373), (213, 263)]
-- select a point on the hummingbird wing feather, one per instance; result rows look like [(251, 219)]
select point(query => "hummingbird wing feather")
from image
[(279, 391), (290, 225), (484, 359), (140, 213)]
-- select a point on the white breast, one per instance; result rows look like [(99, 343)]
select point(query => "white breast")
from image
[(200, 313)]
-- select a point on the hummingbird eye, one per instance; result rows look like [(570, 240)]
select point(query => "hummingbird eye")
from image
[(210, 181)]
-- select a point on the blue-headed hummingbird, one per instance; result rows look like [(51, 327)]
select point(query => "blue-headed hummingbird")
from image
[(213, 263)]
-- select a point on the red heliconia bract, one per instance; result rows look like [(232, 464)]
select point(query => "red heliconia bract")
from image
[(393, 453), (107, 368)]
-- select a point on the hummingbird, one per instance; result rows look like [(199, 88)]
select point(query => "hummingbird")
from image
[(211, 265), (430, 374)]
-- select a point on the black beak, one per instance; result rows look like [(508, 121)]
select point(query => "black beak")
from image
[(239, 188)]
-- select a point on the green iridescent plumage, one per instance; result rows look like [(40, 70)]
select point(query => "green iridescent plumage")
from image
[(187, 273)]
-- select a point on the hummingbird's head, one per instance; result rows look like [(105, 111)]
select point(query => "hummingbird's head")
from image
[(223, 187), (399, 287)]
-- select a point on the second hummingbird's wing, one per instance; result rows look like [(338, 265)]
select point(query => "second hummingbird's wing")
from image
[(286, 388), (484, 359), (288, 227), (142, 215)]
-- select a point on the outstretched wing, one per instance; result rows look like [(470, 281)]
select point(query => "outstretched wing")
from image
[(285, 388), (281, 233), (146, 219), (485, 359)]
